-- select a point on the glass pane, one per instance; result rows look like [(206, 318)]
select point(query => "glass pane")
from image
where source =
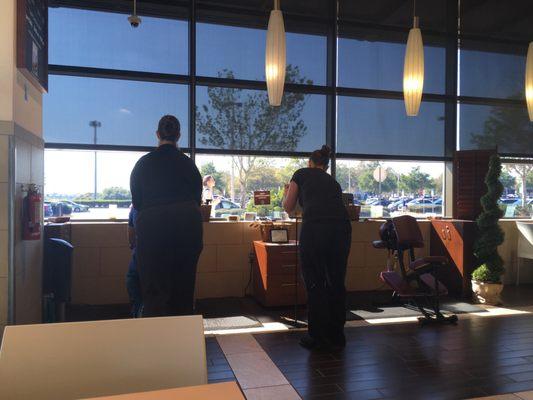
[(374, 62), (487, 127), (409, 187), (245, 57), (128, 111), (86, 192), (378, 126), (517, 199), (240, 119), (487, 70), (237, 177), (106, 40)]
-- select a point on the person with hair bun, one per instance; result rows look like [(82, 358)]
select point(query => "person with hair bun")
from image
[(324, 246), (166, 189)]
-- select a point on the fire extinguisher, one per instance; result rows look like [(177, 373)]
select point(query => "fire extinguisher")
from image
[(32, 214)]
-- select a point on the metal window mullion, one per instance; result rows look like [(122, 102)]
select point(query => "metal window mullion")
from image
[(331, 100), (192, 75)]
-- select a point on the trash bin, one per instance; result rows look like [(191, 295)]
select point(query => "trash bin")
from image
[(57, 272)]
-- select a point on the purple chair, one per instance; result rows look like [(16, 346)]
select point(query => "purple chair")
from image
[(415, 281)]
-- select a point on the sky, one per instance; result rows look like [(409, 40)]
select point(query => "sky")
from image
[(129, 110)]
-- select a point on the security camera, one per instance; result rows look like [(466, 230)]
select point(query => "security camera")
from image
[(134, 21)]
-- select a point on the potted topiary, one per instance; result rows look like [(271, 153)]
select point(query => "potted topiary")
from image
[(486, 279)]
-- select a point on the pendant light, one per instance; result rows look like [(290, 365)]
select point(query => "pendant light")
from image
[(275, 56), (413, 69), (529, 81)]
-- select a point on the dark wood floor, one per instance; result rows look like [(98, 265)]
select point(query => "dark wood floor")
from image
[(218, 368), (478, 357)]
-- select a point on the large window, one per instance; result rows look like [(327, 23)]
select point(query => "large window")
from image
[(517, 181), (127, 111), (236, 119), (379, 126), (87, 38), (110, 84), (237, 177), (392, 188), (88, 184)]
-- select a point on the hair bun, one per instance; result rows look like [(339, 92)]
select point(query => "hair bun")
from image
[(326, 151)]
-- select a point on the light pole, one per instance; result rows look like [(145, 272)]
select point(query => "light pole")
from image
[(95, 124)]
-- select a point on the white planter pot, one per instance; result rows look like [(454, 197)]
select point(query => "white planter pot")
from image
[(487, 293)]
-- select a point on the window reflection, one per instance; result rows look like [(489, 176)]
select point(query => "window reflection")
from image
[(517, 181), (237, 119)]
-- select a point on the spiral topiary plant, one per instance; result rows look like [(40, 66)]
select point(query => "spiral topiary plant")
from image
[(491, 234)]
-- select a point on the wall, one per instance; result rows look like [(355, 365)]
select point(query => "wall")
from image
[(21, 162), (101, 258)]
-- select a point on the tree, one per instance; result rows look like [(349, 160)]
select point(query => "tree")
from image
[(116, 193), (367, 183), (523, 171), (415, 181), (508, 181), (490, 233), (236, 119)]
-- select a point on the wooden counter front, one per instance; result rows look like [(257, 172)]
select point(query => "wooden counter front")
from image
[(275, 282), (455, 240)]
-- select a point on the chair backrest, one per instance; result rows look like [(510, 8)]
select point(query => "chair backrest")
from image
[(408, 232), (525, 239), (89, 359)]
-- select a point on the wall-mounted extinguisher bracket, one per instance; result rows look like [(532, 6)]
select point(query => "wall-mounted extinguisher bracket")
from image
[(32, 214)]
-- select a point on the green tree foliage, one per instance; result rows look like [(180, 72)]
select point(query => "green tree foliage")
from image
[(367, 183), (508, 181), (244, 120), (490, 233), (415, 181), (116, 193)]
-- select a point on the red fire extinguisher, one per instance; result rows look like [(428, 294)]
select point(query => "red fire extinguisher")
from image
[(32, 214)]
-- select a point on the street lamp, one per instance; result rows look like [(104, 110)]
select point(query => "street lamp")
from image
[(95, 124)]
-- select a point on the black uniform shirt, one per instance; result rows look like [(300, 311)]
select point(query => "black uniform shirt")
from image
[(319, 195), (165, 176)]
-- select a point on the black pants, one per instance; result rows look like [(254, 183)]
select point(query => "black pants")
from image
[(169, 243), (324, 250)]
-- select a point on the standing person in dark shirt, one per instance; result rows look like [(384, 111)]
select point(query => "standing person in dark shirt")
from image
[(166, 188), (324, 246)]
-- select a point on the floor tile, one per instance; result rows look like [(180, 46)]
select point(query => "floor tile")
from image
[(254, 370), (237, 344), (284, 392)]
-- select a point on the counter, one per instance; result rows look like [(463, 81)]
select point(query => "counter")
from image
[(101, 258)]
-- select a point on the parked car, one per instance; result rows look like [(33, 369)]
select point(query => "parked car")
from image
[(77, 207), (58, 209), (511, 201), (424, 205), (399, 204), (47, 210), (227, 207), (378, 202)]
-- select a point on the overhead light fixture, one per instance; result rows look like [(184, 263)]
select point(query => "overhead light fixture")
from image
[(275, 58), (134, 19), (529, 81), (413, 69)]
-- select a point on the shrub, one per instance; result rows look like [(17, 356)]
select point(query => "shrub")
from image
[(490, 233)]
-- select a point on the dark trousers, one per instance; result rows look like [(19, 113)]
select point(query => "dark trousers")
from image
[(324, 250), (169, 243), (133, 285)]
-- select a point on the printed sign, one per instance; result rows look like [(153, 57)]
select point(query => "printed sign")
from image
[(262, 197), (32, 41)]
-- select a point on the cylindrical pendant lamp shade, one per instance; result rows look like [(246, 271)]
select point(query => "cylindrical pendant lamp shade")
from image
[(275, 57), (529, 81), (413, 71)]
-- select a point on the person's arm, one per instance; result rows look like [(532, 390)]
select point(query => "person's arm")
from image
[(131, 237), (291, 197), (197, 184), (135, 187)]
